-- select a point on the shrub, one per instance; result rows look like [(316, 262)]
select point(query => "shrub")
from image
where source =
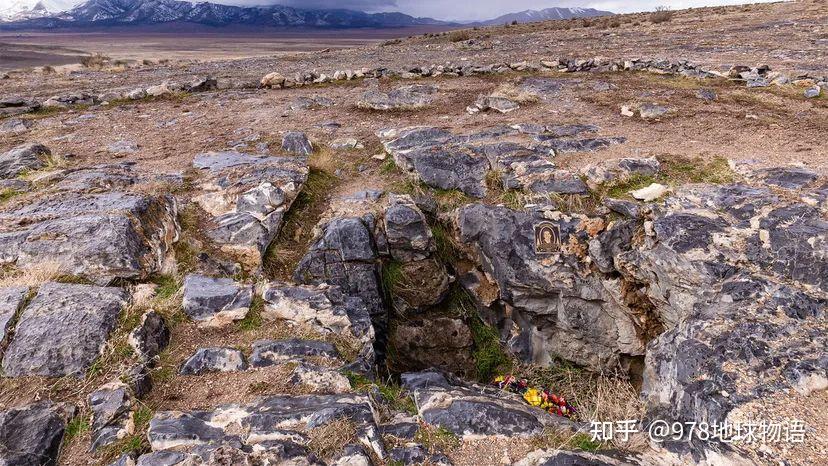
[(94, 61), (459, 36), (662, 14)]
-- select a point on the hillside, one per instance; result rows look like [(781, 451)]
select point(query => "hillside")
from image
[(473, 247)]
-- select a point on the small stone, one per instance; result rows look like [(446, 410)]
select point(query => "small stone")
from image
[(31, 435), (627, 111), (707, 94), (123, 147), (136, 94), (650, 193), (652, 111), (273, 80), (345, 144), (214, 360), (150, 337), (297, 143), (813, 92)]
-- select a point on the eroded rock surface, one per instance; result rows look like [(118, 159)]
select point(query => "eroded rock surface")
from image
[(63, 330), (97, 236), (31, 435), (402, 98), (22, 159), (469, 410), (214, 302), (248, 196)]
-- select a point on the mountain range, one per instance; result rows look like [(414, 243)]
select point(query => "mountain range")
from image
[(531, 16), (57, 14)]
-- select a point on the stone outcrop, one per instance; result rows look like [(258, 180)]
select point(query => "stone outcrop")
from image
[(410, 97), (248, 195), (269, 426), (22, 159), (98, 236), (554, 305), (473, 410), (31, 435), (447, 161), (344, 254), (63, 330), (11, 300), (150, 337)]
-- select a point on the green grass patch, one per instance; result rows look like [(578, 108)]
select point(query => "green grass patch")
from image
[(389, 167), (447, 250), (436, 438), (253, 320), (78, 426), (398, 398), (450, 199), (623, 188), (8, 194), (584, 441), (391, 277), (683, 170), (168, 286)]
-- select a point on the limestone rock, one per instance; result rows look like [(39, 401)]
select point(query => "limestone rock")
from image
[(271, 421), (410, 97), (214, 302), (11, 299), (248, 196), (270, 352), (275, 80), (343, 254), (31, 435), (553, 305), (23, 158), (150, 337), (620, 170), (14, 126), (406, 230), (202, 84), (652, 111), (498, 104), (99, 237), (63, 330), (110, 406), (214, 360), (475, 410), (296, 143)]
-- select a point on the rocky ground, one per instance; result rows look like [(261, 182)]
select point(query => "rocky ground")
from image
[(328, 258)]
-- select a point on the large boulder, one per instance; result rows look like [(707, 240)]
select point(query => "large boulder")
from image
[(63, 330), (100, 237), (248, 196), (22, 159), (550, 304), (344, 254), (31, 435)]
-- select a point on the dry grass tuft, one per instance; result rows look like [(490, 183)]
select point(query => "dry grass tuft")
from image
[(662, 14), (330, 439), (597, 397), (32, 277)]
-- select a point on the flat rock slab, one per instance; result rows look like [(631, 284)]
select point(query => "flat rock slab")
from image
[(99, 236), (22, 159), (522, 153), (410, 97), (270, 352), (248, 196), (296, 143), (207, 360), (215, 301), (476, 410), (10, 301), (63, 330), (261, 422), (31, 435)]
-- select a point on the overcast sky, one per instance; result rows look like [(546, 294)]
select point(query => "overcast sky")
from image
[(487, 9)]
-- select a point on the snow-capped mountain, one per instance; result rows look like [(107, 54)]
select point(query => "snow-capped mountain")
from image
[(530, 16), (152, 12), (17, 10)]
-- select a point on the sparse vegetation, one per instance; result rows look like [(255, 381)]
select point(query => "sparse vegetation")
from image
[(330, 439), (459, 36), (662, 14), (94, 61), (253, 319), (436, 439)]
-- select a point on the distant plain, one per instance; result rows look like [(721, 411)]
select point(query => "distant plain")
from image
[(20, 50)]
